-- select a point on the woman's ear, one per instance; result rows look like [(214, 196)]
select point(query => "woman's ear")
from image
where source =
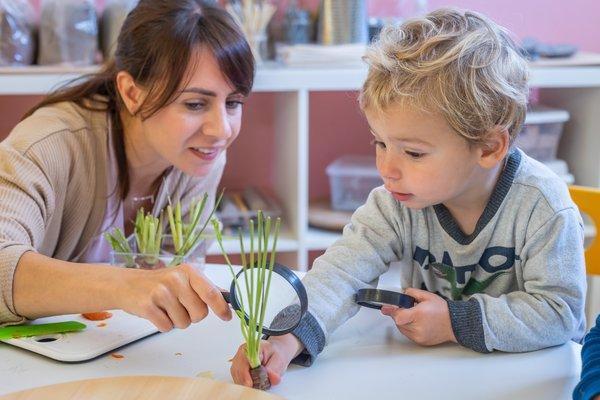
[(495, 147), (131, 94)]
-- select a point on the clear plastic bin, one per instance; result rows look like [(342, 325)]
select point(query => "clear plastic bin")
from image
[(541, 132), (351, 179)]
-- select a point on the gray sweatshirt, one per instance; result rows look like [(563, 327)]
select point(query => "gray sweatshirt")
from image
[(517, 283)]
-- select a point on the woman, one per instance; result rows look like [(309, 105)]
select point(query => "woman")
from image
[(153, 124)]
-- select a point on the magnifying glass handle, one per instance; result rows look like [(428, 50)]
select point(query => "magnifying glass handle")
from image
[(226, 296), (375, 298)]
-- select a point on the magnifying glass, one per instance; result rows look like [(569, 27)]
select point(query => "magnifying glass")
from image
[(375, 298), (285, 289)]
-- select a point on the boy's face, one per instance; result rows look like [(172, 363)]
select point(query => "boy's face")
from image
[(421, 159)]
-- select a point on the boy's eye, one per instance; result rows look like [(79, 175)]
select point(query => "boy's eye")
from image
[(414, 154), (377, 143)]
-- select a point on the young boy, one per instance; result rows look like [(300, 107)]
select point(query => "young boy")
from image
[(496, 243)]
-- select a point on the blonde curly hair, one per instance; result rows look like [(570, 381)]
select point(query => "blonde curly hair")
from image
[(456, 62)]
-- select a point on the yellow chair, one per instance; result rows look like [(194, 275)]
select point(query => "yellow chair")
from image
[(588, 201)]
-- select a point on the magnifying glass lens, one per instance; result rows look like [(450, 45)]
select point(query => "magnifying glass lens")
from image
[(285, 304), (281, 295)]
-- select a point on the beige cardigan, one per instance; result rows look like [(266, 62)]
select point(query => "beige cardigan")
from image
[(53, 189)]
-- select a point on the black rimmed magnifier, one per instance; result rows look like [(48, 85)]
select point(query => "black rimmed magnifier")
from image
[(376, 298), (286, 289)]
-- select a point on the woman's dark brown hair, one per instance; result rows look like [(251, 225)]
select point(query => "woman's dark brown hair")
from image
[(155, 47)]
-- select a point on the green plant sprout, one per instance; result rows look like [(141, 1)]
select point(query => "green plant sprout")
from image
[(257, 266), (186, 236), (148, 238), (118, 242)]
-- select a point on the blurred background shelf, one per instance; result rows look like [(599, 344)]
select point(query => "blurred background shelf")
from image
[(583, 70), (291, 151), (285, 243), (319, 239)]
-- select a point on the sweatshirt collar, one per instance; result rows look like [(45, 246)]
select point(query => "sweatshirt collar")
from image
[(501, 189)]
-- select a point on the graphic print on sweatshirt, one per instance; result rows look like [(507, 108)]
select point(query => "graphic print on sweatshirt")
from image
[(460, 277)]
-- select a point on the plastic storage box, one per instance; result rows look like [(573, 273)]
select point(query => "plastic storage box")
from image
[(351, 179), (541, 132)]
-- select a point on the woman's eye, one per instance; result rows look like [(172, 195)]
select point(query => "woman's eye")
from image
[(233, 104), (377, 143), (414, 154), (194, 106)]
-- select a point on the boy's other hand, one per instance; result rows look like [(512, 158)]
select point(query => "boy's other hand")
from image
[(427, 323), (275, 354)]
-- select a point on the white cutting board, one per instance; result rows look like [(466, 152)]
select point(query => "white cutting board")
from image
[(97, 338)]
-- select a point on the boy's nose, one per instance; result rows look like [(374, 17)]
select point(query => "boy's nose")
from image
[(388, 168)]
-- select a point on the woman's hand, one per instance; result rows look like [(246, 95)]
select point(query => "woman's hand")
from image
[(172, 297), (276, 353)]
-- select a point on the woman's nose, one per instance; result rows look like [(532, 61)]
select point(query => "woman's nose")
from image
[(218, 124)]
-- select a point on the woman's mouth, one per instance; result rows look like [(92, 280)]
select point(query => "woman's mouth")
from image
[(205, 153)]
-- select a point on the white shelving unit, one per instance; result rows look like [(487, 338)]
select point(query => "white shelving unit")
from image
[(573, 85)]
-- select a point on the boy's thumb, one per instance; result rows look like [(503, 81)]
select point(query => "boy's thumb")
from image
[(418, 294), (401, 316), (274, 377), (276, 367)]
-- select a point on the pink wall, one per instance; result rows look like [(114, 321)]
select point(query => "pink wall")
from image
[(574, 22)]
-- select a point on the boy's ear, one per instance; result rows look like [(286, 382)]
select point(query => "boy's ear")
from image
[(131, 94), (495, 147)]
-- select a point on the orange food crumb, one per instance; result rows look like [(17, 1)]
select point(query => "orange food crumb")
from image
[(101, 325), (117, 356), (97, 316)]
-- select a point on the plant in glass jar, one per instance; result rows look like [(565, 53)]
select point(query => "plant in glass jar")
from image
[(148, 239), (150, 248), (186, 236)]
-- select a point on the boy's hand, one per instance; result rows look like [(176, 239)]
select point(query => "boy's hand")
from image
[(427, 323), (276, 353)]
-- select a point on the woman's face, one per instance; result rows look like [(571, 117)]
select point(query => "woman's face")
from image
[(203, 120)]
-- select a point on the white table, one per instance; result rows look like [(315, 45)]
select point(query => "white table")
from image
[(366, 358)]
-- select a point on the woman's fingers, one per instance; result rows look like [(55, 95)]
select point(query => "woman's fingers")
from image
[(210, 294), (159, 318), (175, 297), (169, 301), (195, 307)]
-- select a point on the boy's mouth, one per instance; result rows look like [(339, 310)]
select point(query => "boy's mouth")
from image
[(402, 196)]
